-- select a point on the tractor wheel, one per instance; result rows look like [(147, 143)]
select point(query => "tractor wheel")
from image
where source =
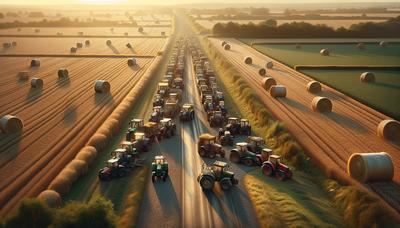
[(222, 154), (121, 173), (225, 184), (173, 133), (202, 152), (206, 182), (164, 178), (248, 162), (153, 178), (211, 155), (289, 174), (159, 137), (103, 177), (280, 175), (234, 157), (267, 169)]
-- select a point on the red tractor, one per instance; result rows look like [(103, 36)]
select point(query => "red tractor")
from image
[(274, 167)]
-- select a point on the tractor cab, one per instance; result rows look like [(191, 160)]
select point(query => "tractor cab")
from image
[(112, 163), (136, 123), (157, 109), (162, 89), (206, 139), (241, 147), (233, 120), (245, 127), (178, 83), (187, 107), (166, 122), (173, 96), (275, 159), (159, 160), (119, 153), (220, 96), (244, 123), (139, 136), (128, 146)]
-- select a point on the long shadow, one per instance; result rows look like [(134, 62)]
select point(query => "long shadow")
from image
[(103, 99), (113, 49), (132, 50), (63, 82), (295, 104), (33, 94), (346, 121), (167, 197), (70, 114), (9, 146), (387, 85), (329, 95)]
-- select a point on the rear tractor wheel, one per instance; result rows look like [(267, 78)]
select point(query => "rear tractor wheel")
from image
[(206, 182), (267, 169), (234, 157), (225, 184)]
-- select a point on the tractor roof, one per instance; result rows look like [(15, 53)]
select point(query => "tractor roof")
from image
[(126, 143), (120, 150), (275, 156), (207, 137), (165, 120), (220, 164), (113, 160), (256, 138), (187, 105), (163, 84), (139, 134), (158, 157), (233, 118), (241, 144), (178, 79), (150, 124), (246, 120), (137, 120)]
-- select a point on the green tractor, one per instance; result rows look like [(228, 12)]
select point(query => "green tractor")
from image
[(217, 172), (242, 155), (255, 144), (134, 126), (126, 154), (159, 168)]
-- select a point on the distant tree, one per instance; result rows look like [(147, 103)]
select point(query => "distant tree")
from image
[(30, 213), (269, 23), (1, 15), (259, 11)]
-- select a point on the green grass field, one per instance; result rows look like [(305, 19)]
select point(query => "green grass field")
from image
[(383, 95), (340, 54)]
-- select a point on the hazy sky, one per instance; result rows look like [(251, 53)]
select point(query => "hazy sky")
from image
[(166, 2)]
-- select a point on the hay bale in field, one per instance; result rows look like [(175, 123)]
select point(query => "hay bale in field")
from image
[(37, 83), (23, 75), (223, 43), (262, 72), (91, 150), (73, 49), (102, 86), (314, 87), (277, 91), (79, 45), (35, 63), (79, 166), (61, 184), (132, 62), (11, 124), (383, 44), (248, 60), (19, 29), (370, 167), (80, 33), (269, 65), (361, 46), (126, 34), (87, 42), (321, 104), (59, 33), (267, 82), (108, 42), (367, 77), (227, 47), (162, 33), (114, 125), (63, 73), (298, 46), (140, 29), (70, 173), (389, 129), (129, 45), (324, 52), (98, 141), (37, 30), (85, 156), (14, 43), (7, 45), (51, 198)]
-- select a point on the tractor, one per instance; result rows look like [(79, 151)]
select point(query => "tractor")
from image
[(134, 126), (226, 139), (207, 146), (152, 131), (238, 127), (141, 143), (245, 127), (187, 112), (241, 155), (215, 118), (159, 168), (217, 172), (157, 114), (255, 144), (163, 89), (158, 101), (168, 128), (112, 170), (221, 107), (274, 167), (208, 103), (126, 152), (178, 83)]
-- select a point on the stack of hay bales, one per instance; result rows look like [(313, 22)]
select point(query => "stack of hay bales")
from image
[(140, 29), (132, 62), (324, 52), (383, 44), (321, 104), (277, 91), (370, 167), (248, 60), (367, 77), (11, 124), (37, 83), (267, 82), (23, 75), (73, 49), (35, 63), (63, 73), (129, 45), (227, 47), (269, 65), (102, 86), (87, 42), (389, 129), (361, 46), (314, 87), (262, 72), (51, 198), (108, 42), (79, 45)]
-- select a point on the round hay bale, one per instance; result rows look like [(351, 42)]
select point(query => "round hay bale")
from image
[(105, 130), (314, 87), (277, 91), (361, 46), (108, 42), (19, 29), (7, 45), (79, 166), (37, 30), (87, 42), (102, 86), (389, 129), (262, 72), (71, 174), (227, 47), (268, 82), (35, 63), (23, 75), (248, 60), (114, 126), (14, 43), (11, 124), (129, 45), (140, 29), (370, 167), (163, 33), (98, 141), (51, 198), (61, 184), (126, 34), (321, 104), (37, 83), (63, 73), (132, 62), (73, 49), (80, 33), (91, 150), (383, 44), (79, 45), (367, 77), (85, 156), (223, 43), (298, 46), (269, 65), (59, 33), (324, 52)]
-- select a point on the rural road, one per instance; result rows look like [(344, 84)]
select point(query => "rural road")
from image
[(330, 138)]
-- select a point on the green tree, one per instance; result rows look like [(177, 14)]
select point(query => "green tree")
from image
[(31, 213)]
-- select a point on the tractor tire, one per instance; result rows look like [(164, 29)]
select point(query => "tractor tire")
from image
[(289, 174), (164, 178), (202, 152), (280, 175), (226, 184), (206, 182), (104, 177), (234, 157), (153, 178), (211, 155), (248, 162), (267, 169), (122, 173), (222, 154)]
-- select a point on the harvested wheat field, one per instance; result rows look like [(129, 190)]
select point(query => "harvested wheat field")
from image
[(58, 118), (31, 46), (330, 138)]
